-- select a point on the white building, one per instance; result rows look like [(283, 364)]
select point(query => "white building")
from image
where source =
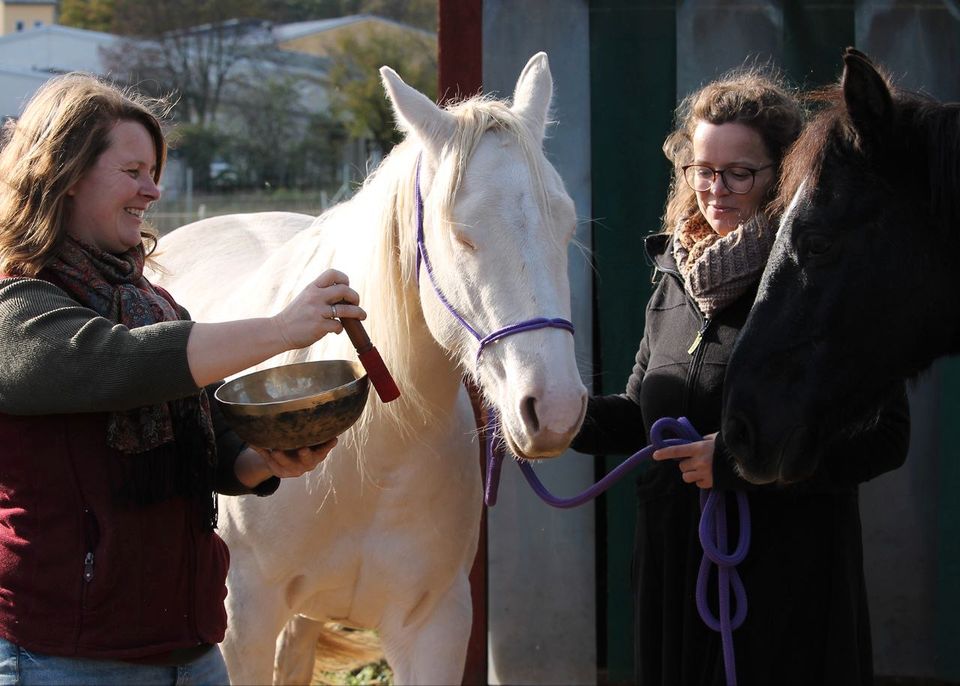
[(29, 58)]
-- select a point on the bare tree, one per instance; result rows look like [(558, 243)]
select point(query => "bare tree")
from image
[(419, 13), (189, 48)]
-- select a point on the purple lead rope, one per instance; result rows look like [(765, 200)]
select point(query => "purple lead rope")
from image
[(712, 531), (713, 538)]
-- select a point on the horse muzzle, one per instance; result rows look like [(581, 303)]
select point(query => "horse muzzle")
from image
[(543, 427), (784, 456)]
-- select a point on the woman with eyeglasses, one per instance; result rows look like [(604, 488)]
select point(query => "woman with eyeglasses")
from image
[(807, 620)]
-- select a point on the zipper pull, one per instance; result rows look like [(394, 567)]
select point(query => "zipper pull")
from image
[(88, 567), (696, 341)]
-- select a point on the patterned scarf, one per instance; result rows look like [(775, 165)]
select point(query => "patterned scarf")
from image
[(718, 270), (172, 445)]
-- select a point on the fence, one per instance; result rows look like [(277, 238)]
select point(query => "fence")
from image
[(167, 215)]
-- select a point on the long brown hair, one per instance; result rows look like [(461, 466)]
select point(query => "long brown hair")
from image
[(750, 96), (64, 128)]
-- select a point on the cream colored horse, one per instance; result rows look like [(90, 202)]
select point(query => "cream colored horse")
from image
[(384, 532)]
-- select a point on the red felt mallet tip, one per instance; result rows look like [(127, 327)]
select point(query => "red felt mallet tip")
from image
[(377, 371)]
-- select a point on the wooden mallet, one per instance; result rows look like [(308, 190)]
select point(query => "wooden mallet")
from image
[(377, 371)]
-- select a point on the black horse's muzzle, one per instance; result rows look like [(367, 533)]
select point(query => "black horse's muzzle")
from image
[(762, 459)]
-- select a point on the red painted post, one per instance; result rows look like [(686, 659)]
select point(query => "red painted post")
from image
[(460, 41), (475, 669), (460, 45)]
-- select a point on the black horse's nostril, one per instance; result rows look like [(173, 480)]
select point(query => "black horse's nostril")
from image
[(738, 438), (528, 410)]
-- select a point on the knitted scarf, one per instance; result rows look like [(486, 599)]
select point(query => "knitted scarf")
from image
[(717, 270), (169, 448)]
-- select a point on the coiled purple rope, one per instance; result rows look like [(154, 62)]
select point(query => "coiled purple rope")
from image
[(712, 530), (713, 539)]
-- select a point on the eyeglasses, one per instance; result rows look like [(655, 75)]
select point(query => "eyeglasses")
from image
[(737, 179)]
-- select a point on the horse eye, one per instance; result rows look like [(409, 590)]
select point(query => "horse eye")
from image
[(815, 245), (461, 238)]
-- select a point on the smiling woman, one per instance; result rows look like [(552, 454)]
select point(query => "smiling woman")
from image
[(110, 200), (110, 569)]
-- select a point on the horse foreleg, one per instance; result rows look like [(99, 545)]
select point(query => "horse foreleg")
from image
[(435, 649), (296, 651), (255, 615)]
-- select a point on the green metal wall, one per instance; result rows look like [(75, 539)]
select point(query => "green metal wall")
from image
[(948, 550), (632, 85)]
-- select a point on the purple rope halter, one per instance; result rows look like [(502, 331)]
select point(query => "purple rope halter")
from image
[(713, 519)]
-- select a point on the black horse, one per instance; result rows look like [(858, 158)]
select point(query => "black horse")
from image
[(859, 292)]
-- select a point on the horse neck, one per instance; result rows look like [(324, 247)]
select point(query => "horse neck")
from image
[(930, 136), (384, 210), (938, 126)]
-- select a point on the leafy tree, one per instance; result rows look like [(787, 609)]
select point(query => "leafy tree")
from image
[(93, 15), (356, 94), (270, 133), (280, 143), (288, 11), (199, 146), (319, 154), (419, 13)]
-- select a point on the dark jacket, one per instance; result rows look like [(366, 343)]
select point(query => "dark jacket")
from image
[(807, 614)]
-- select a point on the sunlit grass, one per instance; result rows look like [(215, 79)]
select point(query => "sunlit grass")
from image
[(373, 674), (330, 668)]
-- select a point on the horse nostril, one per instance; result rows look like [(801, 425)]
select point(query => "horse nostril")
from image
[(736, 435), (528, 410)]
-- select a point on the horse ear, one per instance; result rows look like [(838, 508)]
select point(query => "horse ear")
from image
[(533, 92), (416, 113), (866, 94)]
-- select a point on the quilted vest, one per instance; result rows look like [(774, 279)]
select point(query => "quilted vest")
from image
[(81, 574)]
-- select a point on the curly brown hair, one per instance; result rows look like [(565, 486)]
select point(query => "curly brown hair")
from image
[(64, 128), (755, 97)]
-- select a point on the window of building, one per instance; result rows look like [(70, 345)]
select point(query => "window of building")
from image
[(19, 26)]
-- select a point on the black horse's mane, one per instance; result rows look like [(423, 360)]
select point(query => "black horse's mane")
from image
[(924, 143), (942, 127)]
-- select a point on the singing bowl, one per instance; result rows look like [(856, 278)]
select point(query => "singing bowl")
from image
[(295, 405)]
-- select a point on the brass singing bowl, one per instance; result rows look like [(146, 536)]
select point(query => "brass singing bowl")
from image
[(295, 405)]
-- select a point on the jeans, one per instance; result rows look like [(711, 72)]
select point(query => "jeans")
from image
[(20, 667)]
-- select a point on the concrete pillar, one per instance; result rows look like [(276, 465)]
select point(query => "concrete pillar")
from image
[(541, 578)]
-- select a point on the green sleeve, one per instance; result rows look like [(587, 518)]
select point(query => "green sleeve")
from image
[(57, 356)]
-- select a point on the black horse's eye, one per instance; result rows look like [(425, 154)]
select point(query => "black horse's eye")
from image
[(815, 245)]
